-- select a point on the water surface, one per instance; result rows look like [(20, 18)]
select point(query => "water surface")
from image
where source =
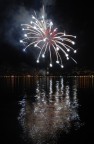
[(47, 110)]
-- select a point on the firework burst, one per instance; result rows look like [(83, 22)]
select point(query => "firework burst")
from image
[(42, 35)]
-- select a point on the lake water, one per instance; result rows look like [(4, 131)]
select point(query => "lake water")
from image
[(46, 110)]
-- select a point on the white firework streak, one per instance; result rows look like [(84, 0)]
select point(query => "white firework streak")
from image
[(41, 34)]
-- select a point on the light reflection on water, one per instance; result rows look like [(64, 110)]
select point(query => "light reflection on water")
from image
[(47, 106), (55, 109)]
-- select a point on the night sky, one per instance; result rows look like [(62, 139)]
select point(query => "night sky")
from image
[(75, 17)]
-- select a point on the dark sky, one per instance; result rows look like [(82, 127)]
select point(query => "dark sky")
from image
[(74, 16)]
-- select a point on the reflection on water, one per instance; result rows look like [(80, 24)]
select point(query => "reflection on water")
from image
[(25, 82), (53, 110), (86, 81), (47, 106)]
